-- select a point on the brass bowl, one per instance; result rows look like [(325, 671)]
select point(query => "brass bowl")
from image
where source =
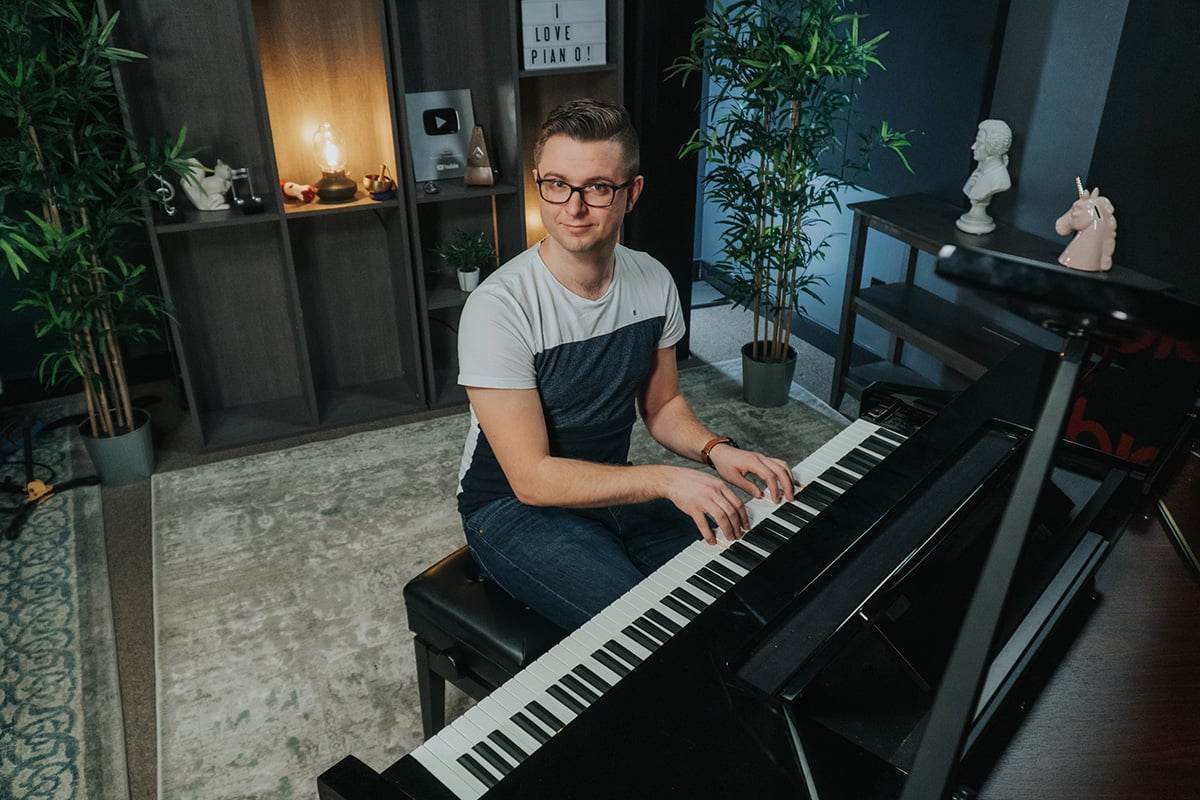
[(378, 184)]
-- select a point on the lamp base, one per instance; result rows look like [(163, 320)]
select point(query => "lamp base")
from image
[(335, 187)]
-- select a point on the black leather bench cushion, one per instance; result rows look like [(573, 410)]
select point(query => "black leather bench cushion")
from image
[(451, 606)]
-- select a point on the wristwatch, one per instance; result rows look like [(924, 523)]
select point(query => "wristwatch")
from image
[(704, 451)]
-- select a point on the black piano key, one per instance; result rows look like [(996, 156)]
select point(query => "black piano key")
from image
[(641, 638), (687, 598), (591, 677), (622, 652), (838, 477), (877, 444), (652, 630), (542, 713), (816, 493), (609, 660), (762, 541), (475, 768), (679, 607), (725, 571), (566, 698), (580, 688), (774, 529), (794, 514), (532, 728), (715, 578), (858, 461), (663, 620), (497, 761), (742, 555), (888, 433), (506, 744), (704, 586)]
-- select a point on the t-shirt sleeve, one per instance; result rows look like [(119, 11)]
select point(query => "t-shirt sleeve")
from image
[(674, 326), (494, 350)]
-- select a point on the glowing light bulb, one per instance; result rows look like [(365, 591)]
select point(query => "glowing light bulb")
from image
[(330, 151), (329, 148)]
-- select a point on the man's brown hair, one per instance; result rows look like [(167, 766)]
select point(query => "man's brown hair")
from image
[(588, 120)]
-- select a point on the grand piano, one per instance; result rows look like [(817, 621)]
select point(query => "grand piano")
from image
[(820, 656)]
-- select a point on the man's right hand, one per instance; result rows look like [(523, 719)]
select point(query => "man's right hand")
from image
[(703, 496)]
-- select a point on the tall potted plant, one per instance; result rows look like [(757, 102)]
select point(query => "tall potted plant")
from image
[(73, 191), (783, 77)]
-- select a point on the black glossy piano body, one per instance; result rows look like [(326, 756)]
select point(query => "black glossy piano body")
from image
[(812, 676)]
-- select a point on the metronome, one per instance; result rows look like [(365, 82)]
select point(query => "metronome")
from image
[(479, 166)]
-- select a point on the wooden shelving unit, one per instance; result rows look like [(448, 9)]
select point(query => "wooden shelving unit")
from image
[(320, 315)]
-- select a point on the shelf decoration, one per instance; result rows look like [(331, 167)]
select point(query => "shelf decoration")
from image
[(439, 127), (479, 165), (207, 191), (570, 33), (329, 148), (298, 191), (380, 185), (242, 191)]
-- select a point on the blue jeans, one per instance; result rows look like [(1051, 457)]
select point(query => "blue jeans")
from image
[(569, 564)]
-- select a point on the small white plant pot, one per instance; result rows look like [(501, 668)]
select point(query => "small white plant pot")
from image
[(468, 280)]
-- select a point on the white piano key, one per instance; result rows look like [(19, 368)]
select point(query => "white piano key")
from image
[(440, 759)]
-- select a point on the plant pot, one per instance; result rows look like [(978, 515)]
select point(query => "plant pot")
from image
[(767, 384), (124, 458), (468, 280)]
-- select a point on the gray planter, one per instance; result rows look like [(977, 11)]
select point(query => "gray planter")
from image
[(125, 458), (767, 384)]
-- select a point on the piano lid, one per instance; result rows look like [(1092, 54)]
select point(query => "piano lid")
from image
[(1118, 305)]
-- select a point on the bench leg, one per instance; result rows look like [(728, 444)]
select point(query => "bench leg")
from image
[(431, 688)]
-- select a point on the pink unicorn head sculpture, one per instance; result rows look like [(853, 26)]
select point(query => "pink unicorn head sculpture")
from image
[(1092, 219)]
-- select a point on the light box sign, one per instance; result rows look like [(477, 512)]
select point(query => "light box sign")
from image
[(570, 33)]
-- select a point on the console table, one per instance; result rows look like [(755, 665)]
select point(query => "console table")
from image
[(966, 341)]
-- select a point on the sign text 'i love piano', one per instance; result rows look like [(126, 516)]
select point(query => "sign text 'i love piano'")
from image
[(563, 33)]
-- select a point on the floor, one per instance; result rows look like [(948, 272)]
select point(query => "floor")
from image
[(717, 333)]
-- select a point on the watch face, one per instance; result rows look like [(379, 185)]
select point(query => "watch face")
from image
[(440, 121)]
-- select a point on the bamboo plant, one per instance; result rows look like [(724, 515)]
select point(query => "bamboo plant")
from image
[(74, 192), (783, 76)]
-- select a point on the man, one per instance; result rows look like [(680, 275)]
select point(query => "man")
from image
[(555, 349)]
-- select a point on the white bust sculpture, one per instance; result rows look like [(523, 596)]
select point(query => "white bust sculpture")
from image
[(990, 176)]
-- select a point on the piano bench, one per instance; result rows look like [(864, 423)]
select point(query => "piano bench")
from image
[(470, 632)]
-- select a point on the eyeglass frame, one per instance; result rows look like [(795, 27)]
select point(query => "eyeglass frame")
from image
[(579, 189)]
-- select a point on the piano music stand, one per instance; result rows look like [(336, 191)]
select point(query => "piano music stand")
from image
[(1084, 308)]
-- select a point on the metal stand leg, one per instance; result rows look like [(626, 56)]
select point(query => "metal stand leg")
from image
[(941, 744)]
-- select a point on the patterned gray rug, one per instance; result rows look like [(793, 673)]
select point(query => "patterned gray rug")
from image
[(61, 730), (282, 644)]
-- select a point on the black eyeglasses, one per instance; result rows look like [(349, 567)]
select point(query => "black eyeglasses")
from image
[(596, 195)]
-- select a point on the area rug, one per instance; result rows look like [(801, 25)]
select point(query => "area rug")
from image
[(281, 637), (61, 730)]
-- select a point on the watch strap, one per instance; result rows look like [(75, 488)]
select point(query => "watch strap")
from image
[(704, 451)]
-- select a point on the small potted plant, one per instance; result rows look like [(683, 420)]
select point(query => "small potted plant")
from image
[(467, 253)]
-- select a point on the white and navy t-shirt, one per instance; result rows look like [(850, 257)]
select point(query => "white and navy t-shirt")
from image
[(522, 329)]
